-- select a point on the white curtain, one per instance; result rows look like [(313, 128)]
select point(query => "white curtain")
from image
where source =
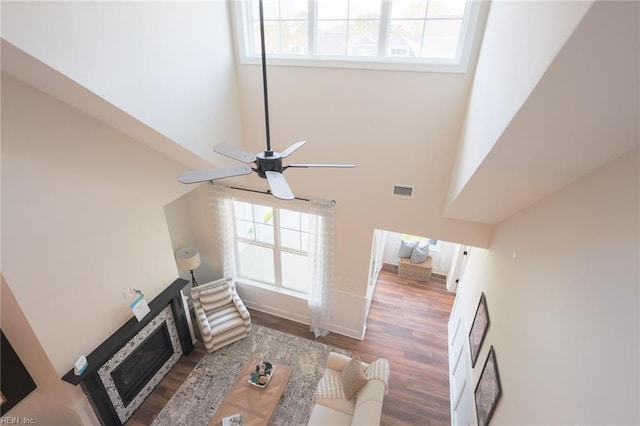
[(222, 212), (321, 248)]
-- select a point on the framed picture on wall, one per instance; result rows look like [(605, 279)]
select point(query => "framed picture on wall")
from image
[(488, 390), (479, 329)]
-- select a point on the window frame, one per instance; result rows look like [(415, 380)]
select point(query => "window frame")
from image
[(276, 247), (240, 13)]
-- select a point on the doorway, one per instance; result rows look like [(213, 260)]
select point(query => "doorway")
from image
[(447, 259)]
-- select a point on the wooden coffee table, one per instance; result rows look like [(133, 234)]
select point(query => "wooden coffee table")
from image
[(257, 405)]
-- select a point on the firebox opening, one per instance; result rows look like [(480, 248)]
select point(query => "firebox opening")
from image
[(142, 364)]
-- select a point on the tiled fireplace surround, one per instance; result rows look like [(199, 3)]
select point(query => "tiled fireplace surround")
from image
[(167, 312)]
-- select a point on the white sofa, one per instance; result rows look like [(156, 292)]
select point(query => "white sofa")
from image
[(364, 409)]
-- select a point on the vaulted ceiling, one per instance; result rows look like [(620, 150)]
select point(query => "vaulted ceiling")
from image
[(581, 113)]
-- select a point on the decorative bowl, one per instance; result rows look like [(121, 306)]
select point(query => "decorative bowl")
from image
[(261, 375)]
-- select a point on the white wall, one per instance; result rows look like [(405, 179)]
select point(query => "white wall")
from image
[(564, 312), (588, 94), (190, 225), (168, 64), (53, 402), (82, 221), (515, 54), (397, 127)]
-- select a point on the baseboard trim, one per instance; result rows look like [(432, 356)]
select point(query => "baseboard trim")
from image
[(343, 331)]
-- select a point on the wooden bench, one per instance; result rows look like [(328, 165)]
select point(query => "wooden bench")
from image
[(414, 271)]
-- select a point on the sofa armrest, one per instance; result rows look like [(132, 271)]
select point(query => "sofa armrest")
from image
[(201, 315), (338, 362), (244, 312)]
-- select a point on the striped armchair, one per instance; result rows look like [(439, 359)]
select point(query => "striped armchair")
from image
[(222, 316)]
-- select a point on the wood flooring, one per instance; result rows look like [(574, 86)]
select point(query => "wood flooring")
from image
[(407, 324)]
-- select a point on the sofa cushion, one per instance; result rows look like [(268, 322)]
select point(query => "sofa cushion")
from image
[(368, 413), (216, 297), (353, 377), (323, 416), (346, 406)]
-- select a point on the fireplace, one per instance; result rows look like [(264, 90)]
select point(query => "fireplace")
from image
[(126, 368), (139, 367), (130, 375)]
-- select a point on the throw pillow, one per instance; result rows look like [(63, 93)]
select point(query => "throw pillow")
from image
[(353, 377), (419, 254), (406, 248)]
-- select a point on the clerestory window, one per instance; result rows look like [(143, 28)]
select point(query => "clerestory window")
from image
[(394, 34)]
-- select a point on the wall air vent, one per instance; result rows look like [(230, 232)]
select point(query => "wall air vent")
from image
[(402, 191)]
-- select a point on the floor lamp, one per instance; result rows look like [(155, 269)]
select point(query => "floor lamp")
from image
[(188, 259)]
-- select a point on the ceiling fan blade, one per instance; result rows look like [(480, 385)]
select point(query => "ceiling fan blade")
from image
[(305, 166), (213, 174), (279, 186), (234, 152), (287, 152)]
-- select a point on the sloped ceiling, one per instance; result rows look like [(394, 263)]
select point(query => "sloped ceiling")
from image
[(35, 73), (582, 114)]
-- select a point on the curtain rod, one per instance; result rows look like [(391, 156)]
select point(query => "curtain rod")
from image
[(333, 202)]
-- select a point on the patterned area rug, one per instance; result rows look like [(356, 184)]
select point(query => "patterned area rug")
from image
[(197, 399)]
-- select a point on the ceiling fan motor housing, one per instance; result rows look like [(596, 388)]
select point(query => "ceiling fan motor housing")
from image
[(268, 161)]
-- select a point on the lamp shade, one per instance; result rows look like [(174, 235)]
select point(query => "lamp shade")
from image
[(188, 258)]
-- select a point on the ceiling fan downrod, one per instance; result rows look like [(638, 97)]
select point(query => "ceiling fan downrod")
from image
[(268, 152)]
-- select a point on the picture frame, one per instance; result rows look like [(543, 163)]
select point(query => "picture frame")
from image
[(488, 390), (479, 329)]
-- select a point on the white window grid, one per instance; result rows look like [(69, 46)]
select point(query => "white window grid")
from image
[(276, 246), (384, 59)]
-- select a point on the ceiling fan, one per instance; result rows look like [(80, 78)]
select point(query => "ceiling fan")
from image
[(268, 164)]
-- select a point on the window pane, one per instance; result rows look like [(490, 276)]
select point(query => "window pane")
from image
[(446, 8), (294, 9), (295, 272), (331, 38), (256, 263), (359, 9), (416, 31), (264, 233), (244, 229), (242, 210), (304, 241), (363, 38), (405, 38), (290, 239), (271, 37), (269, 7), (294, 38), (332, 9), (289, 219), (263, 214), (413, 9), (441, 39)]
